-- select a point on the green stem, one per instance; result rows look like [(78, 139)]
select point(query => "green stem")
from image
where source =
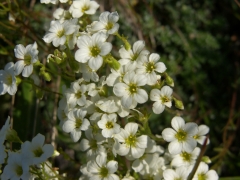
[(124, 40)]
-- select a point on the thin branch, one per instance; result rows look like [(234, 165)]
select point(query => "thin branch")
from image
[(54, 121), (203, 149), (236, 1)]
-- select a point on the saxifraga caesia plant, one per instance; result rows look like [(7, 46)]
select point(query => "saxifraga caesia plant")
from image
[(106, 112)]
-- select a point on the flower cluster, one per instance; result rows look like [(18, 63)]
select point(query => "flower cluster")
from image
[(102, 111), (22, 164)]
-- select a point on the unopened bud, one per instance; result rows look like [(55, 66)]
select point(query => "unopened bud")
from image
[(206, 159), (18, 80), (114, 64), (178, 104), (45, 75), (55, 153), (169, 80)]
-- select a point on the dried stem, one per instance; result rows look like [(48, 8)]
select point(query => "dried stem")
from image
[(35, 117), (203, 149), (54, 121)]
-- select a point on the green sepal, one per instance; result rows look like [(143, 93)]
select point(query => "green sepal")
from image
[(112, 62), (169, 80), (12, 136), (18, 80), (45, 75), (39, 93), (103, 91)]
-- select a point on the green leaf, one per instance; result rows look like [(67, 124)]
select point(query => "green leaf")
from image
[(230, 178)]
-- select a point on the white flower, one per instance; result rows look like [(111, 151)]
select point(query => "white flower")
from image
[(185, 158), (133, 56), (36, 152), (76, 123), (27, 57), (101, 169), (200, 135), (181, 136), (16, 168), (107, 23), (116, 76), (150, 67), (108, 125), (4, 130), (76, 94), (8, 80), (180, 173), (92, 48), (49, 1), (163, 98), (88, 73), (79, 8), (58, 32), (93, 144), (108, 105), (127, 142), (58, 13), (203, 173), (129, 90), (3, 133)]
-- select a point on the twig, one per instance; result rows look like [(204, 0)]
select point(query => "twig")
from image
[(35, 117), (236, 1), (203, 149), (54, 122)]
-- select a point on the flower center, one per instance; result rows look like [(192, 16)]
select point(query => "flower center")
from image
[(109, 125), (64, 116), (85, 8), (60, 33), (150, 67), (9, 79), (19, 170), (94, 51), (196, 136), (38, 152), (181, 135), (201, 177), (186, 156), (164, 99), (109, 26), (103, 172), (78, 123), (27, 59), (132, 88), (131, 140), (78, 95), (134, 57), (93, 144)]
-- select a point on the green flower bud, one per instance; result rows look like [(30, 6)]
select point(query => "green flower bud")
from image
[(114, 64), (45, 75), (206, 159), (169, 80), (178, 104), (18, 80)]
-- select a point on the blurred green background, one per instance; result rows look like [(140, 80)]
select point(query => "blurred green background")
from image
[(198, 40)]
